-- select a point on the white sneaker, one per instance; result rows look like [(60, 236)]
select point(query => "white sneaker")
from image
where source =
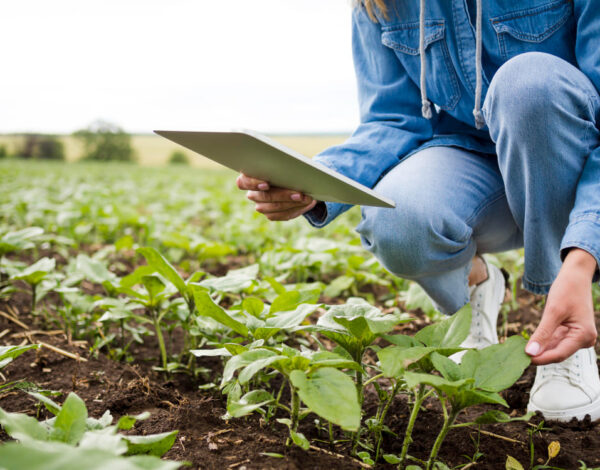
[(486, 299), (568, 389)]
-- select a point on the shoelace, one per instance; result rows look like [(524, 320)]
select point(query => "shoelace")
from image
[(568, 368)]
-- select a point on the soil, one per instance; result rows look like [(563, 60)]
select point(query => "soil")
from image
[(209, 442)]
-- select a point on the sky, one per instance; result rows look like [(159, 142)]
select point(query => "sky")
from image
[(276, 66)]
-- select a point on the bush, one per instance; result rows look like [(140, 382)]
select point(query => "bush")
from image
[(41, 146), (105, 141), (3, 151), (179, 158)]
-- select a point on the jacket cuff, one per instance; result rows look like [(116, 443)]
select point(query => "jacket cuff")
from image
[(324, 212), (583, 232)]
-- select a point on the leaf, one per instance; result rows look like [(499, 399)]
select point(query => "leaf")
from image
[(497, 416), (126, 422), (163, 267), (34, 273), (330, 394), (22, 427), (70, 422), (338, 285), (300, 440), (93, 270), (234, 281), (447, 367), (496, 367), (154, 444), (243, 360), (273, 454), (253, 305), (448, 333), (553, 449), (50, 404), (251, 369), (153, 285), (8, 353), (513, 464), (249, 402), (404, 341), (290, 319), (395, 360), (210, 352), (207, 307), (136, 276), (103, 439), (391, 458)]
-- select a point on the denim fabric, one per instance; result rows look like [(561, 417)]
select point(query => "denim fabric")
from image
[(541, 64), (453, 203), (386, 59)]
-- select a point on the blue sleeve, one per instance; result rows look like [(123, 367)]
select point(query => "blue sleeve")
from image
[(583, 230), (391, 125)]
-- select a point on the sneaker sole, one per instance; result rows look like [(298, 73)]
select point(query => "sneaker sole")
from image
[(580, 412)]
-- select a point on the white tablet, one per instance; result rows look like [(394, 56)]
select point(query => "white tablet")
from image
[(260, 157)]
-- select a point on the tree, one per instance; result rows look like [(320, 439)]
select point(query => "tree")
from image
[(41, 146), (105, 141)]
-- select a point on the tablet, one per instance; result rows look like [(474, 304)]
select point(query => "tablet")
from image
[(260, 157)]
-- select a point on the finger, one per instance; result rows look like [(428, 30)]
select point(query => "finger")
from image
[(249, 183), (273, 207), (278, 195), (290, 214), (543, 334), (566, 348)]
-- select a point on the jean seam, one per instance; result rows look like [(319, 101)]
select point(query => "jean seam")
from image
[(479, 209)]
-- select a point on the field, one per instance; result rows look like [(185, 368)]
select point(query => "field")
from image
[(153, 150), (218, 338)]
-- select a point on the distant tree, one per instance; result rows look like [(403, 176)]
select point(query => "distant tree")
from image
[(179, 158), (3, 151), (42, 146), (105, 141)]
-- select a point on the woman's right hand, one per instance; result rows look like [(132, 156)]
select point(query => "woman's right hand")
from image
[(275, 203)]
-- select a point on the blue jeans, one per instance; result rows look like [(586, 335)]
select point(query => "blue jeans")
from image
[(451, 203)]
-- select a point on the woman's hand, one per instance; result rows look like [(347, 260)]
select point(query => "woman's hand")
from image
[(567, 323), (275, 203)]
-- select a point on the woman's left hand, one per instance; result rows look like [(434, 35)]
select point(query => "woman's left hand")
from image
[(568, 322)]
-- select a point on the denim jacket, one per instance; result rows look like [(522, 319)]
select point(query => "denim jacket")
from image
[(387, 66)]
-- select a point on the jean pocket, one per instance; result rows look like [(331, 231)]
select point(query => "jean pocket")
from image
[(547, 28), (441, 78)]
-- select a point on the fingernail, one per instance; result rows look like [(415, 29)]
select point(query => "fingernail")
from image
[(533, 348), (296, 197), (263, 186)]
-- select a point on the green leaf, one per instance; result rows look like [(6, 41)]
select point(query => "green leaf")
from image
[(210, 352), (395, 360), (248, 372), (338, 285), (70, 421), (248, 403), (22, 427), (8, 353), (153, 285), (49, 404), (244, 359), (206, 306), (447, 367), (290, 319), (253, 305), (391, 458), (496, 367), (136, 276), (154, 444), (404, 341), (36, 272), (513, 464), (448, 333), (330, 394), (163, 267), (126, 422), (299, 439), (234, 282), (273, 454), (497, 416), (93, 270)]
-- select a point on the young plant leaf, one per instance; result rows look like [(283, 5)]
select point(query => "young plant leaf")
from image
[(331, 394), (207, 307), (153, 444), (22, 427), (163, 267), (448, 333), (70, 422)]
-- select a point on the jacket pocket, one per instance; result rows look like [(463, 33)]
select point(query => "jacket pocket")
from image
[(441, 78), (545, 28)]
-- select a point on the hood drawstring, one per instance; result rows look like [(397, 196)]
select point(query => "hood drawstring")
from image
[(479, 121), (425, 103)]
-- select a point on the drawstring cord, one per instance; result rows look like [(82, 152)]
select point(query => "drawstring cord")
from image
[(425, 103)]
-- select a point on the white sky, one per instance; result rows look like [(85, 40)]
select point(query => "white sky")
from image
[(269, 65)]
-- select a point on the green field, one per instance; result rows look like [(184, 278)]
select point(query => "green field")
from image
[(152, 150)]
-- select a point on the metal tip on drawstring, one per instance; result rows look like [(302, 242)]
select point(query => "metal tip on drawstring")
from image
[(426, 109), (479, 120)]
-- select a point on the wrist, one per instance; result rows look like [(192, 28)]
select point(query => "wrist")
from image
[(580, 261)]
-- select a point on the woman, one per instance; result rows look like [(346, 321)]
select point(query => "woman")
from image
[(521, 170)]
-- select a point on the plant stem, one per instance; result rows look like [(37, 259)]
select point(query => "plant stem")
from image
[(295, 405), (448, 421), (330, 434), (33, 297), (359, 393), (419, 398), (381, 419), (159, 337)]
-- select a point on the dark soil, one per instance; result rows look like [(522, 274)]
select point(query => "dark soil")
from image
[(209, 442)]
